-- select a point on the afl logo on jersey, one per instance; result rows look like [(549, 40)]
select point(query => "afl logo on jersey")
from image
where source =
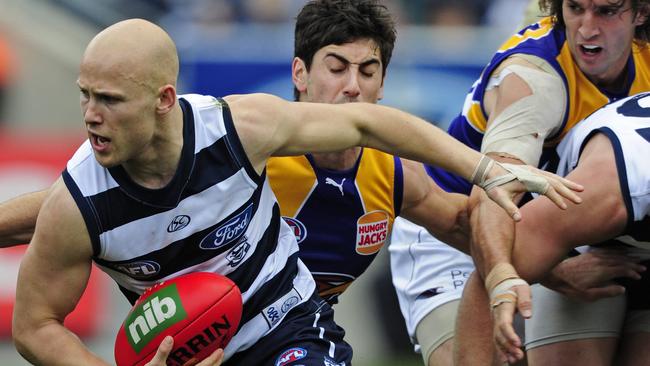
[(228, 232), (297, 227), (139, 269), (372, 232)]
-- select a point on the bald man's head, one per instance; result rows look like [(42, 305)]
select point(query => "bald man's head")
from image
[(135, 49)]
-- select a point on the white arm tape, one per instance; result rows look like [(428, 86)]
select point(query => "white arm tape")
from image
[(532, 181), (505, 286), (521, 128)]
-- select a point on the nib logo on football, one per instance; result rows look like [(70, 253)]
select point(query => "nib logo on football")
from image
[(153, 316)]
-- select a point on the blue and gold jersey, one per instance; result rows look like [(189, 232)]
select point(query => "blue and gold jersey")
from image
[(340, 218), (543, 40)]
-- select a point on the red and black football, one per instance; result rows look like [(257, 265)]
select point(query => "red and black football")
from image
[(200, 310)]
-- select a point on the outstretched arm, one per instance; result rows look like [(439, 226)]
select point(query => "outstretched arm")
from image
[(18, 218), (269, 126)]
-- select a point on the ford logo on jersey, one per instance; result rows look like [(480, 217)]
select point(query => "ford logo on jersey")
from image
[(229, 232), (291, 355)]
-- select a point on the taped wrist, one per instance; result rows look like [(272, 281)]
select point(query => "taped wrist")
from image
[(482, 168), (499, 282), (532, 181)]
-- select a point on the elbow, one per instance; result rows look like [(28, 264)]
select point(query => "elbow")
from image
[(21, 340), (22, 334)]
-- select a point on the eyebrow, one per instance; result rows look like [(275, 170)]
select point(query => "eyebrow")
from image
[(101, 93), (344, 60), (610, 5)]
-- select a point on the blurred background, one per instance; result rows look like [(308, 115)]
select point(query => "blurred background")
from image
[(226, 47)]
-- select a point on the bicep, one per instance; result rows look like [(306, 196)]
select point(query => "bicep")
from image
[(546, 233), (270, 126), (56, 266)]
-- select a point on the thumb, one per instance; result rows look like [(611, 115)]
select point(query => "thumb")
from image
[(506, 203), (160, 358)]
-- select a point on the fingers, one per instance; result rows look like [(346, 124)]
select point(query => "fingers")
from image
[(504, 200), (552, 194), (561, 188), (524, 301), (160, 358), (505, 337), (214, 359), (562, 191), (569, 184), (603, 292), (624, 270)]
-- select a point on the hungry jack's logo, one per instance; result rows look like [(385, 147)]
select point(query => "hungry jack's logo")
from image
[(372, 232)]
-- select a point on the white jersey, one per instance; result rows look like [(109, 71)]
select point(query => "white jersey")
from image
[(426, 272), (627, 125), (216, 215)]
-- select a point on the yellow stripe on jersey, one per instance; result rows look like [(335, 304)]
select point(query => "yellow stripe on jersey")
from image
[(303, 179), (642, 79), (585, 97), (546, 26), (377, 193), (476, 117)]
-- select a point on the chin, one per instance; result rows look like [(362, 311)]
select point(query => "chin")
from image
[(105, 161)]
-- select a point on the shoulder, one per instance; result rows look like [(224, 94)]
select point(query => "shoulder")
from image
[(255, 100), (256, 109), (60, 225)]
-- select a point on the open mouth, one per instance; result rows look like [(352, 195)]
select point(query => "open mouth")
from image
[(591, 49), (99, 142)]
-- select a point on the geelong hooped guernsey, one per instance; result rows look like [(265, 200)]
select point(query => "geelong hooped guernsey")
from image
[(341, 219), (216, 215), (627, 125), (548, 42)]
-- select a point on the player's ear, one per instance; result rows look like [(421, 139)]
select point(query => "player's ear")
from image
[(642, 15), (299, 74), (166, 99)]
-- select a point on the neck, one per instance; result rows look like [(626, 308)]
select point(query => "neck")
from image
[(341, 160), (158, 163), (617, 85)]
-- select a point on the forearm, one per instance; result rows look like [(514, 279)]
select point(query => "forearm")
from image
[(53, 344), (492, 233), (410, 137), (18, 218)]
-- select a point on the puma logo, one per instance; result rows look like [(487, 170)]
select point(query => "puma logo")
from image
[(332, 182)]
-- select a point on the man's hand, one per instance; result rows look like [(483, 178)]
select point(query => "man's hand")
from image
[(160, 358), (588, 277), (508, 294), (505, 181), (506, 339)]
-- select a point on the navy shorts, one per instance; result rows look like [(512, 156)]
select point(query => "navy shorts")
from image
[(307, 336)]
